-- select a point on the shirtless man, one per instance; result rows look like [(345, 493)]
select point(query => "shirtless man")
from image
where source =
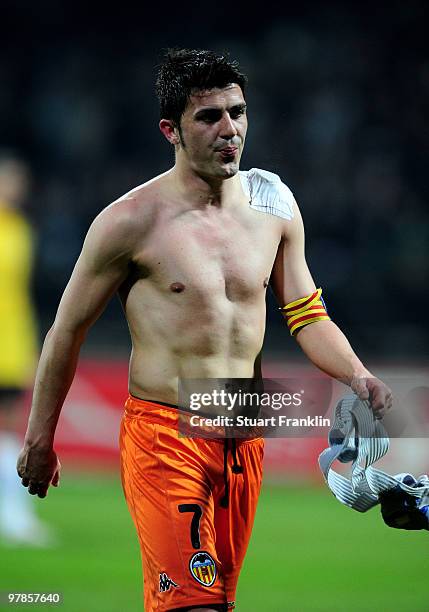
[(191, 261)]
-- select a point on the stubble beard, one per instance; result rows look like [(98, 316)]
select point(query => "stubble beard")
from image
[(224, 171), (227, 169)]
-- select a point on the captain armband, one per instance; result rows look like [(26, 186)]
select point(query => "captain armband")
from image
[(304, 311)]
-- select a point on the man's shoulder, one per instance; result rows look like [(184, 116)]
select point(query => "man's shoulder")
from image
[(268, 193), (134, 211), (140, 200), (120, 227)]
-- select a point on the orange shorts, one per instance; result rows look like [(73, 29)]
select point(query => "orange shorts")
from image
[(192, 504)]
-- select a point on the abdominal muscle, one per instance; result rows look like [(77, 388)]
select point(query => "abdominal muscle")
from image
[(222, 344)]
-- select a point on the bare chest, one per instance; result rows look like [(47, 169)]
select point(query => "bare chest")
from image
[(214, 254)]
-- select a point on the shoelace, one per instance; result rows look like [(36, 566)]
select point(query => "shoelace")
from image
[(357, 437)]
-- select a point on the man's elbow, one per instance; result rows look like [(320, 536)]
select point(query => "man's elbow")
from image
[(66, 333)]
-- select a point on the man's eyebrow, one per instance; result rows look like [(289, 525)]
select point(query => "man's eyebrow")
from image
[(208, 109), (213, 109)]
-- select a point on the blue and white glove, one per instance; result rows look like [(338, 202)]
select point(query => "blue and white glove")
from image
[(400, 509)]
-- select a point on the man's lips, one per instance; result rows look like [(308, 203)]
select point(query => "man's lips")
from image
[(228, 151)]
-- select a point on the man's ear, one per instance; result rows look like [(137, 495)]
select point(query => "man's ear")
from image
[(170, 131)]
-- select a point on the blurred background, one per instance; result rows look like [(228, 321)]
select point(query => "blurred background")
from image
[(338, 97), (337, 102)]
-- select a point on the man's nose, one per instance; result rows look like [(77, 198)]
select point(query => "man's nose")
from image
[(227, 127)]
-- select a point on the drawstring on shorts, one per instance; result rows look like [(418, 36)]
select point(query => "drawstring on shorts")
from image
[(236, 468)]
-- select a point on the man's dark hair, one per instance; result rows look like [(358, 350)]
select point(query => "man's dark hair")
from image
[(185, 71)]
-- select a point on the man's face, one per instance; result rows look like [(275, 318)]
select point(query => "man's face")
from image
[(213, 130)]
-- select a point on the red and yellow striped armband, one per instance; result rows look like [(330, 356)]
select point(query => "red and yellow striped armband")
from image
[(304, 311)]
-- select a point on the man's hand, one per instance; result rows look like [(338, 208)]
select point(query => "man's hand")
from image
[(38, 469), (374, 390)]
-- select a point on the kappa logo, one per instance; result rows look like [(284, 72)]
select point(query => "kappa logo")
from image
[(203, 568), (165, 583)]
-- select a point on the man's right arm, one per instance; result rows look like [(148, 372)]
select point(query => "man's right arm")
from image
[(101, 268)]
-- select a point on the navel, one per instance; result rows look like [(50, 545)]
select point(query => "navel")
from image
[(266, 282), (177, 287)]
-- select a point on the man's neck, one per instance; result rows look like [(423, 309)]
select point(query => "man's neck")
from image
[(205, 191)]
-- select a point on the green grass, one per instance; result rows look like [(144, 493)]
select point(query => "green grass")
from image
[(308, 553)]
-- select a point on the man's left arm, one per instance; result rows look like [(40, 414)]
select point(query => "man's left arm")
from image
[(322, 341)]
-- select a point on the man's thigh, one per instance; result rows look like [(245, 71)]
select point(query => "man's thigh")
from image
[(234, 523), (170, 498)]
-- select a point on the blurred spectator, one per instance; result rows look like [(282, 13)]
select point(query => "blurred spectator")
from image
[(18, 351)]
